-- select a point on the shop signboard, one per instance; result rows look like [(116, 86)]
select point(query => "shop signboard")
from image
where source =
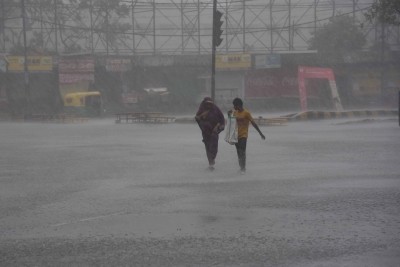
[(271, 83), (118, 64), (267, 61), (76, 65), (233, 61), (74, 70), (129, 98), (35, 63)]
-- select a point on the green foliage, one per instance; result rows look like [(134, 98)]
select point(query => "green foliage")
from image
[(338, 39), (387, 11)]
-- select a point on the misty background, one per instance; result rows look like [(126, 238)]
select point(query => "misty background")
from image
[(156, 55)]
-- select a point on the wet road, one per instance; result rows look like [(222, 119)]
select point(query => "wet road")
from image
[(99, 194)]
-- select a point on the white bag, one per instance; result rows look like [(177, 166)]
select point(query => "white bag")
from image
[(231, 130)]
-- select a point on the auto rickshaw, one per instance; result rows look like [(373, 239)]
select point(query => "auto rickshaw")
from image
[(84, 103)]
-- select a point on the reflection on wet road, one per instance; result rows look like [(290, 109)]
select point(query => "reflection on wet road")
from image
[(96, 193)]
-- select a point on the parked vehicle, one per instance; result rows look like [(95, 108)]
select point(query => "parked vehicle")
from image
[(84, 103)]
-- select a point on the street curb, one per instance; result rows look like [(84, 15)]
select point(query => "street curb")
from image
[(322, 115), (312, 115), (260, 121)]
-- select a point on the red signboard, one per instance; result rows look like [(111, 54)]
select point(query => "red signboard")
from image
[(66, 78), (271, 83), (118, 64), (73, 70), (76, 65)]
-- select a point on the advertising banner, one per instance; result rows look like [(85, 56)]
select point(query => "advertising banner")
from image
[(233, 61), (129, 98), (76, 65), (271, 83), (66, 78), (262, 85), (366, 83), (118, 64), (35, 63), (267, 61), (74, 70)]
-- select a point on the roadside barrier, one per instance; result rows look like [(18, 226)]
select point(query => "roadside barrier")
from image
[(57, 118), (320, 115)]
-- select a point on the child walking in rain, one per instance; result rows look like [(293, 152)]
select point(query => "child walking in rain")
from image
[(211, 122), (243, 119)]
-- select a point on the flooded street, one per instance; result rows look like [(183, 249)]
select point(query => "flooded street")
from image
[(100, 194)]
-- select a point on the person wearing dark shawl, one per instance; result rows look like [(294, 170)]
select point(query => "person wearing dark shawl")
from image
[(211, 122)]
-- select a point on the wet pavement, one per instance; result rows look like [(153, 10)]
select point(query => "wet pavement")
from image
[(323, 193)]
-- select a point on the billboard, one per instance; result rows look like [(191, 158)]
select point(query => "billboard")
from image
[(76, 65), (35, 63), (267, 61), (118, 64), (271, 83), (233, 62), (74, 70)]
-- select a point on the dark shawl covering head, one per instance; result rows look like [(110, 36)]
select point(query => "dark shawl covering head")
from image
[(203, 104), (214, 116)]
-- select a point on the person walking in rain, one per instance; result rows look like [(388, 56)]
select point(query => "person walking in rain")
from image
[(211, 122), (243, 119)]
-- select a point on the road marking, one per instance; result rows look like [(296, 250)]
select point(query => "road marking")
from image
[(88, 219)]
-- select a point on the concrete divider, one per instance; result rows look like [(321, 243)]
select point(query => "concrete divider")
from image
[(320, 115), (259, 120), (312, 115)]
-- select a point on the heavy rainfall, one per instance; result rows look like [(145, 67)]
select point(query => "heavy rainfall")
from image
[(124, 142)]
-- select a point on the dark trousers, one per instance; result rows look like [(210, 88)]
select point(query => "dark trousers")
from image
[(241, 152), (211, 144)]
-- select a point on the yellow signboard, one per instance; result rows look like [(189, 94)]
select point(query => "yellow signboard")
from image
[(233, 61), (35, 63), (366, 83)]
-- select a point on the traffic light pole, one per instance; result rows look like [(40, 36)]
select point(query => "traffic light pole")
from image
[(213, 53), (27, 108)]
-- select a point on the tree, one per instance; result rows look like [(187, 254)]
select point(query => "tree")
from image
[(387, 11), (85, 23), (76, 24), (337, 40), (107, 20)]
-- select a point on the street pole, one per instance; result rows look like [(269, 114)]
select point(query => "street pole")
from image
[(383, 89), (213, 53), (55, 26), (27, 110)]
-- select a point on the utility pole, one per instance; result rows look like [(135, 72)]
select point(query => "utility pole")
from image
[(27, 110), (133, 29), (3, 25), (55, 25), (91, 27), (108, 28), (154, 27), (383, 89)]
